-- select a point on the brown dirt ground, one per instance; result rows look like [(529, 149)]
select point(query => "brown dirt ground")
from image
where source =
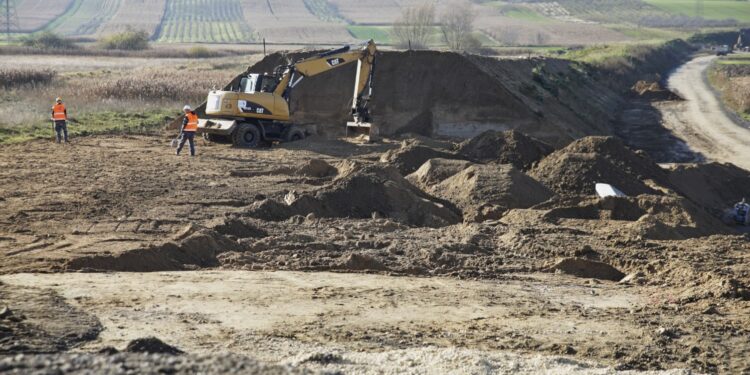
[(126, 203)]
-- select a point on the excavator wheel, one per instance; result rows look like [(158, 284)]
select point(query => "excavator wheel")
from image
[(294, 134), (247, 136)]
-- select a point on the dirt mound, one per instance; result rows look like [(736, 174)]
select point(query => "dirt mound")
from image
[(650, 216), (576, 168), (485, 192), (369, 191), (588, 269), (435, 171), (316, 168), (509, 147), (411, 156), (712, 186), (652, 91), (193, 247), (151, 345)]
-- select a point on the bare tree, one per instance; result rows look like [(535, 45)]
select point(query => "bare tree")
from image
[(414, 27), (457, 26)]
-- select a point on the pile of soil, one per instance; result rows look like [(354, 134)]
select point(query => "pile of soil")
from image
[(509, 147), (152, 345), (712, 186), (410, 156), (588, 269), (652, 91), (577, 168), (435, 171), (654, 217), (370, 191), (485, 192), (193, 247)]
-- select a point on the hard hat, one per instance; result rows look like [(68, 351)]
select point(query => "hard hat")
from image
[(187, 108), (58, 99)]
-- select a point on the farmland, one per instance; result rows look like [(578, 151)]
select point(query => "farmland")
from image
[(216, 21), (35, 14), (85, 17), (712, 9)]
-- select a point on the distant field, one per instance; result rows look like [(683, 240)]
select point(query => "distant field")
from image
[(741, 59), (712, 9), (381, 34), (85, 17), (213, 21), (34, 14)]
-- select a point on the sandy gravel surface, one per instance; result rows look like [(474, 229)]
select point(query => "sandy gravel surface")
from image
[(701, 120)]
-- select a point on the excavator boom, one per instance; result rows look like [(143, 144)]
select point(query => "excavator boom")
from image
[(259, 106)]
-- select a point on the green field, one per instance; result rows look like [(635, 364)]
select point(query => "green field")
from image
[(380, 34), (91, 123), (209, 21), (712, 9), (735, 60)]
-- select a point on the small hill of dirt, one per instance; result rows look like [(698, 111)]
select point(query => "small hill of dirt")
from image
[(435, 171), (485, 192), (654, 217), (588, 269), (411, 156), (508, 147), (712, 186), (365, 192), (576, 168)]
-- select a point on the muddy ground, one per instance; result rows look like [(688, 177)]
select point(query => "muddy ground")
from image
[(461, 267)]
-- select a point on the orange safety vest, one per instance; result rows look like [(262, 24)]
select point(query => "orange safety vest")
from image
[(192, 123), (58, 112)]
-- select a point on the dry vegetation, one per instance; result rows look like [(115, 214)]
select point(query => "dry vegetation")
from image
[(733, 81), (95, 87)]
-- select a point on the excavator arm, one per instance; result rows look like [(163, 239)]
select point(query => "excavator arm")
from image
[(363, 55)]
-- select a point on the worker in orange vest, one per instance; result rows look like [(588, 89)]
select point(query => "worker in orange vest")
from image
[(189, 127), (60, 118)]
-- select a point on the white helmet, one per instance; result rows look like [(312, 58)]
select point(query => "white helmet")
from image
[(187, 108)]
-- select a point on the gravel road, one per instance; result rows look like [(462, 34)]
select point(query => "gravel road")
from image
[(701, 120)]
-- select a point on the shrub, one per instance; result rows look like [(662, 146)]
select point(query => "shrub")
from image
[(200, 52), (47, 40), (129, 40)]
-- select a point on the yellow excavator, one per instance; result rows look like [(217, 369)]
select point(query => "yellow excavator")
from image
[(257, 112)]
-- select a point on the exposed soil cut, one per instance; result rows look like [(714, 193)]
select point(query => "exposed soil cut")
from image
[(510, 147), (459, 95)]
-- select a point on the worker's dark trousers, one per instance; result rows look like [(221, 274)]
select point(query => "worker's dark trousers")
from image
[(61, 131), (187, 137)]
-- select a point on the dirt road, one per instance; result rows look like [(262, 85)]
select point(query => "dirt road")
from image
[(701, 120), (364, 323)]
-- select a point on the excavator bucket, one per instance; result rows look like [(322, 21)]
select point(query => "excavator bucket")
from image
[(368, 131)]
